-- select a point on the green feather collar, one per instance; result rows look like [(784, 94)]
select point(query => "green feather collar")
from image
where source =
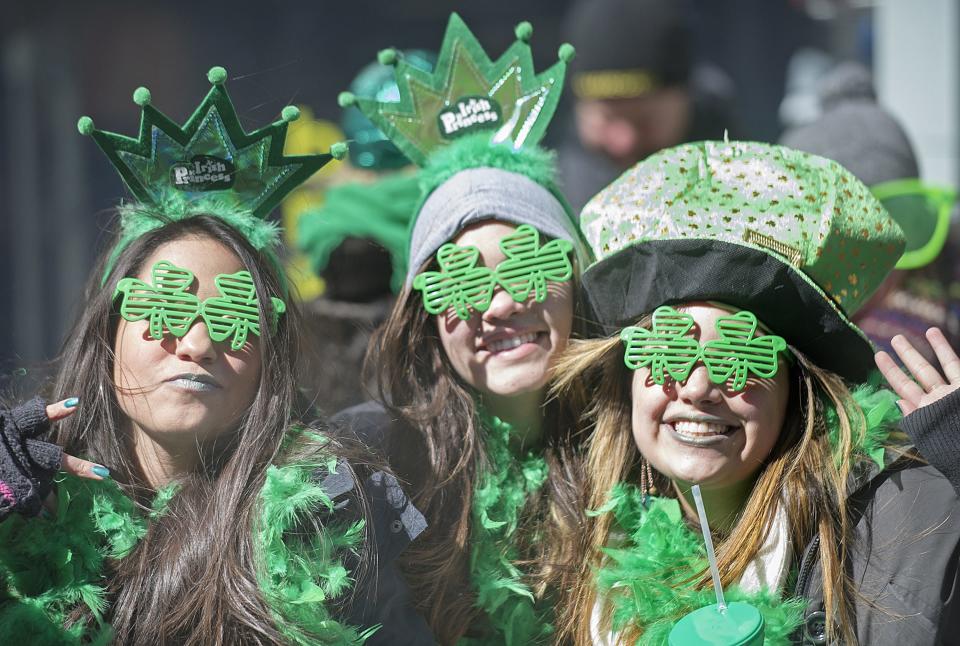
[(646, 578), (503, 490), (50, 566)]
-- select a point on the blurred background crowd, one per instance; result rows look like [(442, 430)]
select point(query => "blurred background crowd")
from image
[(872, 84)]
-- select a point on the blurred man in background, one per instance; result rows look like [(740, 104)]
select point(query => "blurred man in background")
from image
[(636, 90)]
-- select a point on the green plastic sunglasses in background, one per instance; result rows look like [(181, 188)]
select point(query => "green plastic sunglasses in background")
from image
[(923, 212), (170, 308), (668, 350)]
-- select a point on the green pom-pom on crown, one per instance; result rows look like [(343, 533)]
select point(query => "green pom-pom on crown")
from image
[(346, 99), (142, 96), (85, 125), (290, 113), (566, 52), (339, 150), (524, 31), (217, 75), (387, 56)]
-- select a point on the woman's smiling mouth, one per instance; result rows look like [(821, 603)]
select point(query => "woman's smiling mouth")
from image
[(699, 432)]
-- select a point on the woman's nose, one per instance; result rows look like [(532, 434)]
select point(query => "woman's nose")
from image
[(196, 345)]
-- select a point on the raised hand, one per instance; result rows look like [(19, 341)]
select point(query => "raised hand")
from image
[(71, 464), (928, 383), (28, 464)]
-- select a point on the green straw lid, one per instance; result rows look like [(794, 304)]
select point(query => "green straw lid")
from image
[(739, 625)]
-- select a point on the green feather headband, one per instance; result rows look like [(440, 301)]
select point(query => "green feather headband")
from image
[(209, 166)]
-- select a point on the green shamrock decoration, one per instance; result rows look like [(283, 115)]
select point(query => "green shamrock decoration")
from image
[(166, 302), (737, 353), (529, 266), (459, 284), (235, 314), (667, 349)]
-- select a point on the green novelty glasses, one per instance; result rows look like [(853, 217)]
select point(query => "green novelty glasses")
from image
[(667, 350)]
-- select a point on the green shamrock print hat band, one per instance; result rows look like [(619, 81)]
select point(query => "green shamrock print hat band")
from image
[(170, 308), (669, 351), (461, 285), (208, 166), (792, 237)]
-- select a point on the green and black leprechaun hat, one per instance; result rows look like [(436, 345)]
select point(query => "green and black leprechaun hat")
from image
[(790, 236)]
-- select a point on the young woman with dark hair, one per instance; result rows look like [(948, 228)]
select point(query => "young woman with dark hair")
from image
[(462, 363), (210, 509)]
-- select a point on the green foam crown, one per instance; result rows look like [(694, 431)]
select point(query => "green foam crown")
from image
[(466, 93), (209, 158)]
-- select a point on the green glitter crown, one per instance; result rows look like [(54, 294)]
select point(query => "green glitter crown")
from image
[(467, 92), (211, 156)]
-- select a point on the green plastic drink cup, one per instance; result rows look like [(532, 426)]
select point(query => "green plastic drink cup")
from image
[(739, 625)]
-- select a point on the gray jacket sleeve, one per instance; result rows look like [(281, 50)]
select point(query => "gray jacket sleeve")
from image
[(935, 430), (382, 597)]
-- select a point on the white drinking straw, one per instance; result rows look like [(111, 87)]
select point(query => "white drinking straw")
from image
[(711, 555)]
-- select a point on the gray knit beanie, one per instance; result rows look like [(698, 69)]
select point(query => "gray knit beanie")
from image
[(477, 194), (855, 131)]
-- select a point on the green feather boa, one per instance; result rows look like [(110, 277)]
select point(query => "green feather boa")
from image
[(50, 566), (502, 492), (646, 579)]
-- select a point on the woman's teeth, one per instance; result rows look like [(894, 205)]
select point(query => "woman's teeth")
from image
[(700, 429), (512, 342)]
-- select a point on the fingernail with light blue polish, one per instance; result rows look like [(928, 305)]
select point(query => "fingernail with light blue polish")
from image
[(98, 470), (70, 403)]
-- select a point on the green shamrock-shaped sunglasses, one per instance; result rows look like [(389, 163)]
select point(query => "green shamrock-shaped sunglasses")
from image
[(170, 308), (462, 285), (668, 351)]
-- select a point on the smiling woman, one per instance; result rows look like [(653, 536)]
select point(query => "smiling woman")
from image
[(463, 362), (728, 272)]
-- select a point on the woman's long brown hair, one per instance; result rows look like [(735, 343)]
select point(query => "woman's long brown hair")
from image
[(803, 465), (193, 578), (438, 452)]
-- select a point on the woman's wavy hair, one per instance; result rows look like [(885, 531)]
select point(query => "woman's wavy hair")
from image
[(806, 470), (437, 450), (192, 579)]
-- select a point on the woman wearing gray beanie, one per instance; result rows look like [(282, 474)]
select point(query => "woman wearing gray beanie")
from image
[(463, 362)]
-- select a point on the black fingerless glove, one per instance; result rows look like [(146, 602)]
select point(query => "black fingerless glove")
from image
[(27, 465)]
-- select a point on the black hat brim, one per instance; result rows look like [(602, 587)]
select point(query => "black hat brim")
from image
[(636, 280)]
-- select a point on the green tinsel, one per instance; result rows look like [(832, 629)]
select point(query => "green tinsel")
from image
[(501, 494), (49, 566), (646, 578)]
